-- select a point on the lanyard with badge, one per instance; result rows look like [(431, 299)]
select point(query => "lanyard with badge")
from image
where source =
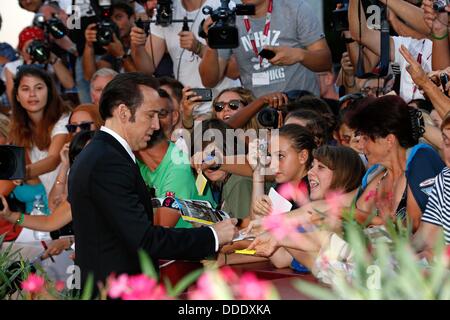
[(248, 27)]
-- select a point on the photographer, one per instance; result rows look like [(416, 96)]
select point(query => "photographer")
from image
[(117, 55), (421, 49), (184, 47), (53, 64), (292, 31)]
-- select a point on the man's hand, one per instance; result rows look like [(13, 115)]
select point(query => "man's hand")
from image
[(115, 48), (188, 41), (265, 245), (275, 100), (226, 230), (56, 247), (91, 34), (347, 65), (436, 21), (138, 37), (416, 71), (285, 56)]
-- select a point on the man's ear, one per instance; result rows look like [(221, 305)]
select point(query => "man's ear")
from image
[(123, 113), (175, 117)]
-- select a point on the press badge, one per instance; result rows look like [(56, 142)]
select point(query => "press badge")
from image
[(261, 79)]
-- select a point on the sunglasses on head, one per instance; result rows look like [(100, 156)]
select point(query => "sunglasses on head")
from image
[(233, 105), (85, 126)]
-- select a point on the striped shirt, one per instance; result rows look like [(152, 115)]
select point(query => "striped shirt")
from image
[(438, 207)]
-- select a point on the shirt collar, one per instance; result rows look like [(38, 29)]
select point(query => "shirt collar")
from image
[(121, 140)]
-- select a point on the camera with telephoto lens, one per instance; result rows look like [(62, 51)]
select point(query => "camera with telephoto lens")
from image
[(105, 27), (39, 51), (223, 34), (439, 5), (53, 26)]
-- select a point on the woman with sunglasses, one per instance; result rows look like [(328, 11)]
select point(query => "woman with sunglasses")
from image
[(85, 117), (237, 106)]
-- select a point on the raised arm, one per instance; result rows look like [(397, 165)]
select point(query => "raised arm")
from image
[(146, 52), (409, 13)]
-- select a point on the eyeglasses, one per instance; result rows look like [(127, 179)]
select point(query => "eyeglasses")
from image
[(85, 126), (233, 105)]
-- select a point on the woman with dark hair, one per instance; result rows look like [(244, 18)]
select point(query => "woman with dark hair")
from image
[(402, 173), (38, 124)]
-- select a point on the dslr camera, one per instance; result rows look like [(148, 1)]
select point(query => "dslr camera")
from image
[(223, 33), (39, 51), (53, 26), (105, 27), (164, 13)]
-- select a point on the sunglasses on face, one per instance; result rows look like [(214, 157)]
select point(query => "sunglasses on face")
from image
[(85, 126), (233, 105)]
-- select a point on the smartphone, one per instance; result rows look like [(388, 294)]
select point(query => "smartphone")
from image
[(267, 54), (206, 94)]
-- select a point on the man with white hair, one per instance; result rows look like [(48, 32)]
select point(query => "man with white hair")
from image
[(99, 80)]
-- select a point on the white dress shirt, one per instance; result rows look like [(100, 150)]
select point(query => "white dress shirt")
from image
[(127, 147)]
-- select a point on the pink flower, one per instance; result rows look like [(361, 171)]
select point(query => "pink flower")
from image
[(228, 274), (204, 289), (33, 284), (251, 288), (279, 226), (117, 286), (448, 252), (139, 287), (299, 193)]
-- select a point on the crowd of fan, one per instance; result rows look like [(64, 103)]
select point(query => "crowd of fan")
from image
[(381, 142)]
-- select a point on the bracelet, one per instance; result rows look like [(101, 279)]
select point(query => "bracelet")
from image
[(20, 220), (439, 38)]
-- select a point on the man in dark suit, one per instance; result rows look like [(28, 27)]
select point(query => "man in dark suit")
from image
[(111, 207)]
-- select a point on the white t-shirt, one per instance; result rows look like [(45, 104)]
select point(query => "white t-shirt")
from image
[(15, 65), (49, 178), (408, 90), (184, 60)]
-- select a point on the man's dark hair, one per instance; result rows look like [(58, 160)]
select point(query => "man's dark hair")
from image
[(124, 89), (124, 6), (175, 85)]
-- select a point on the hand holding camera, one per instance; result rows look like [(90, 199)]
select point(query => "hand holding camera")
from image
[(435, 15), (138, 37)]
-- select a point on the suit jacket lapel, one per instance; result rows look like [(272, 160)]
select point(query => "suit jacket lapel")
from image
[(142, 190)]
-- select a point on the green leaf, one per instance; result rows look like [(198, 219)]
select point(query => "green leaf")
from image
[(314, 291), (188, 280), (147, 265), (88, 288)]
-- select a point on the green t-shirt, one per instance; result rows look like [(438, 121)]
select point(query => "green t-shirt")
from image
[(173, 175), (237, 196)]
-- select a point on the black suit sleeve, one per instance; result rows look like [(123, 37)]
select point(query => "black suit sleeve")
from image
[(114, 189)]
